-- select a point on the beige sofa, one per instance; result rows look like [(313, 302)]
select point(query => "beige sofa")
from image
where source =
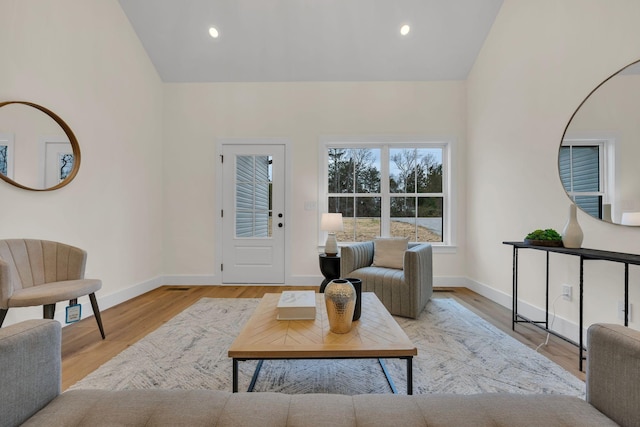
[(30, 394)]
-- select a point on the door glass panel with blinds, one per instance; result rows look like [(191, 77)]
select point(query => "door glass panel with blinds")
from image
[(253, 197)]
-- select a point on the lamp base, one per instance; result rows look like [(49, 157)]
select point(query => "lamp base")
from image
[(331, 245)]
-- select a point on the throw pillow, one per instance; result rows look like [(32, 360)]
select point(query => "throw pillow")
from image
[(389, 252)]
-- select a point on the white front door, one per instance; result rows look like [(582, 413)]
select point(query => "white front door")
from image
[(253, 219)]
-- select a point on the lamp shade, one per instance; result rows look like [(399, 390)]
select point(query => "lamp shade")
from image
[(630, 218), (331, 222)]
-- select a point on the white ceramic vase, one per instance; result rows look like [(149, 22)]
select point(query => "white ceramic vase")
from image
[(572, 234)]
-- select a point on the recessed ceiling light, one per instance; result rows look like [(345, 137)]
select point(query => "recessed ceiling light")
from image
[(213, 32), (404, 30)]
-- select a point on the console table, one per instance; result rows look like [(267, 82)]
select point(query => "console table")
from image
[(585, 255)]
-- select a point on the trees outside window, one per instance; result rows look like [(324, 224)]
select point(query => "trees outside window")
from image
[(388, 190)]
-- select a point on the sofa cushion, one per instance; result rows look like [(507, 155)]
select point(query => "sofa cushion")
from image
[(156, 408), (389, 252), (135, 408)]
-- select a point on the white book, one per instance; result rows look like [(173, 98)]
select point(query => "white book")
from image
[(297, 305)]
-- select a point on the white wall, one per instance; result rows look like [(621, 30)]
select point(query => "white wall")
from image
[(82, 60), (197, 116), (541, 59)]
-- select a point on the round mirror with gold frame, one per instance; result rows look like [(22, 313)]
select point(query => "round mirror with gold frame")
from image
[(599, 148), (38, 150)]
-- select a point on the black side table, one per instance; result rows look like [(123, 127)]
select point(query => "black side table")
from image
[(330, 268)]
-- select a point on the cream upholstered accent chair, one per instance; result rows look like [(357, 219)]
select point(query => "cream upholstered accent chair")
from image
[(41, 272), (398, 272)]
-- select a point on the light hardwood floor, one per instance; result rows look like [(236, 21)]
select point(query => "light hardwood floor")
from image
[(83, 350)]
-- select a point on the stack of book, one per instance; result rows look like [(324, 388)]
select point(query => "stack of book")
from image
[(297, 305)]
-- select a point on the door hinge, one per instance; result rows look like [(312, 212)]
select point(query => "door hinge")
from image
[(221, 158), (221, 213), (221, 267)]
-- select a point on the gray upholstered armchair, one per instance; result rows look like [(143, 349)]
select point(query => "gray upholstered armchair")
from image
[(404, 292), (41, 272)]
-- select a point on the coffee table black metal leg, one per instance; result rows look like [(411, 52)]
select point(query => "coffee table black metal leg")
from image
[(254, 378), (382, 365), (387, 376), (235, 375), (409, 375)]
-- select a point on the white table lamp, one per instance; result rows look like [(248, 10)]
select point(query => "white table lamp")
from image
[(331, 222), (630, 218)]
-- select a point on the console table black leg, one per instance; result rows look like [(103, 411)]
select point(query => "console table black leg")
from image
[(546, 307), (580, 353), (409, 375), (514, 293), (626, 295), (235, 375)]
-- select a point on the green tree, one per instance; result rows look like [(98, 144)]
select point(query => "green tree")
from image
[(353, 170)]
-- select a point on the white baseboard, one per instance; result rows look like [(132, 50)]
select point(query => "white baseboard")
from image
[(450, 282), (560, 325), (111, 300), (190, 279)]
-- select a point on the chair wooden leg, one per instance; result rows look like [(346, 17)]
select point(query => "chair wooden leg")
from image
[(96, 313), (3, 314), (48, 311)]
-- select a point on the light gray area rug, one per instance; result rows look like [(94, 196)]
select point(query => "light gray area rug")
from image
[(458, 352)]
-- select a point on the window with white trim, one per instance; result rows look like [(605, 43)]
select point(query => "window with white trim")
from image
[(6, 154), (4, 159), (390, 189), (582, 172)]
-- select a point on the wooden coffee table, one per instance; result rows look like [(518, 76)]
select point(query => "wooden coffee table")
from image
[(375, 336)]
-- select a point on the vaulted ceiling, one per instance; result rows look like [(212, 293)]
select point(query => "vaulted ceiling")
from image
[(311, 40)]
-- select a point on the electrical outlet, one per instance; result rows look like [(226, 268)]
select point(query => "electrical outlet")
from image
[(621, 311), (567, 292)]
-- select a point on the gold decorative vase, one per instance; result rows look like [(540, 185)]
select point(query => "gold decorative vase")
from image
[(340, 299)]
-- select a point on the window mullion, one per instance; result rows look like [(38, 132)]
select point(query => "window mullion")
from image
[(571, 168), (385, 202), (602, 163)]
